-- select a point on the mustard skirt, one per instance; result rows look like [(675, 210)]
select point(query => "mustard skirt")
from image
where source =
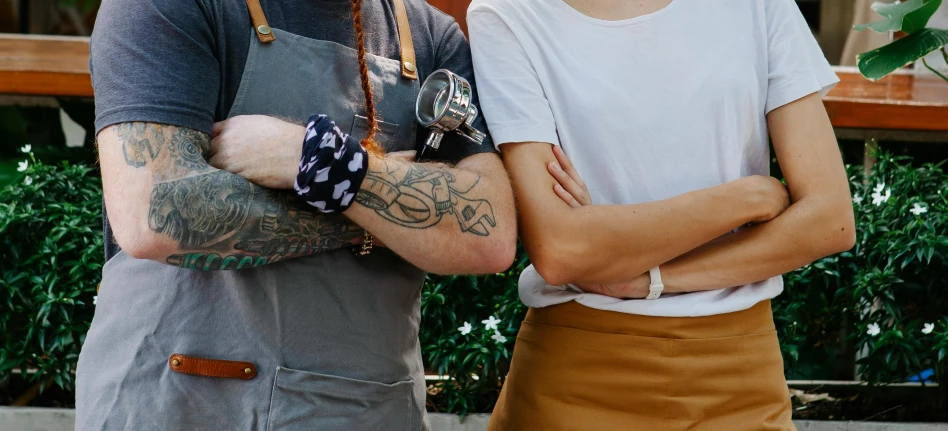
[(581, 369)]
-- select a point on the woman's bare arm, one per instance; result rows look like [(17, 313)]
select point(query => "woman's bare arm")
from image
[(818, 223), (615, 243)]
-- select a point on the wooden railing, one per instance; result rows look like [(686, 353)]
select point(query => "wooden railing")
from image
[(44, 65), (59, 66), (902, 101)]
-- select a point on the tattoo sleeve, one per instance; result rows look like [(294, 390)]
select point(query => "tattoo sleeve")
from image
[(420, 196), (220, 220)]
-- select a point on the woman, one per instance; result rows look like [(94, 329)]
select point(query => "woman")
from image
[(308, 334), (651, 309)]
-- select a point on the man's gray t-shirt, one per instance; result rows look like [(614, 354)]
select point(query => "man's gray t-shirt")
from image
[(180, 62)]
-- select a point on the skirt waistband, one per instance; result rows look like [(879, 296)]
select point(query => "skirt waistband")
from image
[(755, 320)]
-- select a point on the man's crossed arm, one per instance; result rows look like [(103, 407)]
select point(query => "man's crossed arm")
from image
[(168, 204)]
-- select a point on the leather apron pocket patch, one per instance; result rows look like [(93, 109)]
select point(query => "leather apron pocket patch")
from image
[(212, 367), (305, 400)]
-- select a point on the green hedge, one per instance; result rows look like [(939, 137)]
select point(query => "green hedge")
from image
[(51, 255), (876, 299), (887, 296)]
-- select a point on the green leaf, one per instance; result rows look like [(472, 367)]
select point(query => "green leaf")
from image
[(878, 63), (908, 16)]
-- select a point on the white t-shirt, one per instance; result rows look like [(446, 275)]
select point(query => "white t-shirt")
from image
[(646, 108)]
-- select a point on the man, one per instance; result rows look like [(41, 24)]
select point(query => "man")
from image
[(285, 327)]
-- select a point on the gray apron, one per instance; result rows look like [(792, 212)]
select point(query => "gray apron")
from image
[(333, 337)]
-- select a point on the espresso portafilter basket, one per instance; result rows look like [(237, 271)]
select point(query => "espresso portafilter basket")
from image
[(445, 105)]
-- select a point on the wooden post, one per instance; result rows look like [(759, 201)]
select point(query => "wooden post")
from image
[(836, 17)]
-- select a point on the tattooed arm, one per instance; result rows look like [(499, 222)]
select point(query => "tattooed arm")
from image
[(166, 203), (443, 219)]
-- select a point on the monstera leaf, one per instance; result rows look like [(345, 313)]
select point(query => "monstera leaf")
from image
[(878, 63), (908, 16)]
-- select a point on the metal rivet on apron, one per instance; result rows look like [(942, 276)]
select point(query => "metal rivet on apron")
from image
[(263, 29), (175, 363), (409, 67), (247, 371)]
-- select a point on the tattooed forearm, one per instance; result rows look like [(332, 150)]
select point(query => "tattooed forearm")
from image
[(202, 209), (419, 196), (216, 262), (219, 220)]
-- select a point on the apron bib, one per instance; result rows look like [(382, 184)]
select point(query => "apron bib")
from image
[(333, 337)]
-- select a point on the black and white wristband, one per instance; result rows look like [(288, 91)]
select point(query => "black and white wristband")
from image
[(332, 167)]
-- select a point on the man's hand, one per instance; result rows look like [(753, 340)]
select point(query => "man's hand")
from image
[(264, 150)]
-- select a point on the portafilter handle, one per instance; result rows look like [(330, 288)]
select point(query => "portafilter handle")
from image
[(434, 139)]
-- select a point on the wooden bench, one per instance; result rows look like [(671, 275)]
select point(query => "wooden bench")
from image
[(902, 105), (55, 66)]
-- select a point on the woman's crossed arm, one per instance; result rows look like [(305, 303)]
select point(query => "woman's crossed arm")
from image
[(819, 221)]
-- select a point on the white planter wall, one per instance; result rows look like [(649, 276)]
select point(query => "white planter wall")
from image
[(41, 419), (36, 419)]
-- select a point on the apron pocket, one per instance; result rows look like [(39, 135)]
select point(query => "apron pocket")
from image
[(386, 136), (303, 400)]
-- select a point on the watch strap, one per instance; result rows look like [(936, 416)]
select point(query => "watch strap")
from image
[(655, 287)]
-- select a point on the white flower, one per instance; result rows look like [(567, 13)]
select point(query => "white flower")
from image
[(26, 148), (490, 323), (918, 209), (878, 198), (28, 180), (20, 167), (873, 329), (928, 328), (95, 299), (857, 199), (498, 337), (466, 329), (879, 188)]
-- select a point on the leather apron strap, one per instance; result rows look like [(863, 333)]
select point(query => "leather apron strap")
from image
[(259, 20), (405, 42)]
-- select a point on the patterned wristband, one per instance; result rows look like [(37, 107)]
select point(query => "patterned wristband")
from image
[(332, 167)]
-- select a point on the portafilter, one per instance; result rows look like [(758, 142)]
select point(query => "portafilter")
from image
[(444, 105)]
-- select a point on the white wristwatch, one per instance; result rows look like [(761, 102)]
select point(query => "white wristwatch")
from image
[(655, 286)]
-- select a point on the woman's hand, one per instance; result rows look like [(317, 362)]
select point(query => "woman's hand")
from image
[(768, 193), (264, 150), (572, 189)]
